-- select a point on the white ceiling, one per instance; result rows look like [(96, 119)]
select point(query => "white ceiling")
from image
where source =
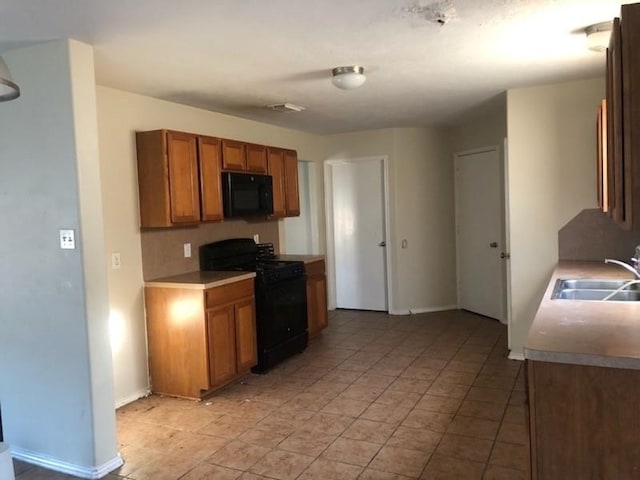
[(236, 56)]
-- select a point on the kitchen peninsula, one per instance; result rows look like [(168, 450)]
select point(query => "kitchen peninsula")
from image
[(583, 382)]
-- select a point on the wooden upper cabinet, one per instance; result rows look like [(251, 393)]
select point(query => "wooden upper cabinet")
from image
[(602, 173), (623, 118), (256, 158), (276, 170), (291, 195), (209, 154), (179, 176), (183, 177), (283, 167), (167, 178), (615, 168), (234, 155)]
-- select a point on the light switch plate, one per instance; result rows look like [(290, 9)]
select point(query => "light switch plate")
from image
[(115, 260), (67, 239), (187, 250)]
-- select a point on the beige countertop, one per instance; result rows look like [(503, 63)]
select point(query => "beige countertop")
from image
[(199, 280), (605, 334), (301, 258)]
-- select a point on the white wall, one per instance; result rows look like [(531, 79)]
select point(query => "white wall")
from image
[(551, 152), (120, 114), (55, 371), (421, 211)]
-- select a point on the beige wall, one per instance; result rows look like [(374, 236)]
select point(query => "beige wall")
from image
[(551, 179), (482, 130), (425, 217), (120, 114), (422, 276), (488, 129)]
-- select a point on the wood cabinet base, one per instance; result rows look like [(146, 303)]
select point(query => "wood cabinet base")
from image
[(584, 421), (317, 315), (200, 340)]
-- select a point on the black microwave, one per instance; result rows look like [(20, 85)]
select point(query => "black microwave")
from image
[(246, 194)]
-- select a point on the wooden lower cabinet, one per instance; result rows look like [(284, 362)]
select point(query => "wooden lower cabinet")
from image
[(200, 340), (584, 421), (317, 315)]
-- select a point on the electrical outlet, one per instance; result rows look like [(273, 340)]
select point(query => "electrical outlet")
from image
[(115, 260), (256, 238), (187, 250), (67, 239)]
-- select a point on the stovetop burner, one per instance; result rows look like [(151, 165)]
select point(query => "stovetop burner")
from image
[(243, 255)]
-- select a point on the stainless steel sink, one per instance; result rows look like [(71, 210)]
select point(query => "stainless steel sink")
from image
[(594, 284), (596, 290)]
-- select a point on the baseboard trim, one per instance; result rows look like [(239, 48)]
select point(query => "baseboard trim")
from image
[(81, 471), (417, 311), (516, 355), (133, 397)]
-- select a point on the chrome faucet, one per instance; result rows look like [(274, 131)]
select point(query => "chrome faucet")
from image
[(633, 269)]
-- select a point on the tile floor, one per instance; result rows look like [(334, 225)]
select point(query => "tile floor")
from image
[(375, 397)]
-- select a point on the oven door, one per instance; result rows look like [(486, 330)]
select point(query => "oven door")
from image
[(281, 311)]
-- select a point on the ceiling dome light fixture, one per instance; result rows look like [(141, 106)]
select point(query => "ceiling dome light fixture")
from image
[(598, 36), (8, 89), (348, 78)]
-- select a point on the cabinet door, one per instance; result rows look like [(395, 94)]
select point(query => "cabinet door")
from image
[(291, 194), (183, 177), (614, 126), (174, 369), (317, 314), (222, 345), (630, 74), (601, 157), (209, 152), (256, 158), (245, 323), (234, 155), (276, 170)]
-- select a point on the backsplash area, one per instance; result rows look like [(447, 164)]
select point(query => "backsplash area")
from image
[(163, 249), (592, 235)]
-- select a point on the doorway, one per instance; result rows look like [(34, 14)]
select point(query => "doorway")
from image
[(481, 249), (301, 232), (356, 206)]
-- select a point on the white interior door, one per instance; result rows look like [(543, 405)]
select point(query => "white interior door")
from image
[(480, 233), (357, 189)]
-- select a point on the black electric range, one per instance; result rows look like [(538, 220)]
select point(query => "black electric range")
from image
[(280, 291)]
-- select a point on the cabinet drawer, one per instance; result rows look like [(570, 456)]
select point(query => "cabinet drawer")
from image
[(314, 269), (228, 293)]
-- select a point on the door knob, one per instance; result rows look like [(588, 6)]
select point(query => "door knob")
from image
[(493, 244), (382, 244)]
